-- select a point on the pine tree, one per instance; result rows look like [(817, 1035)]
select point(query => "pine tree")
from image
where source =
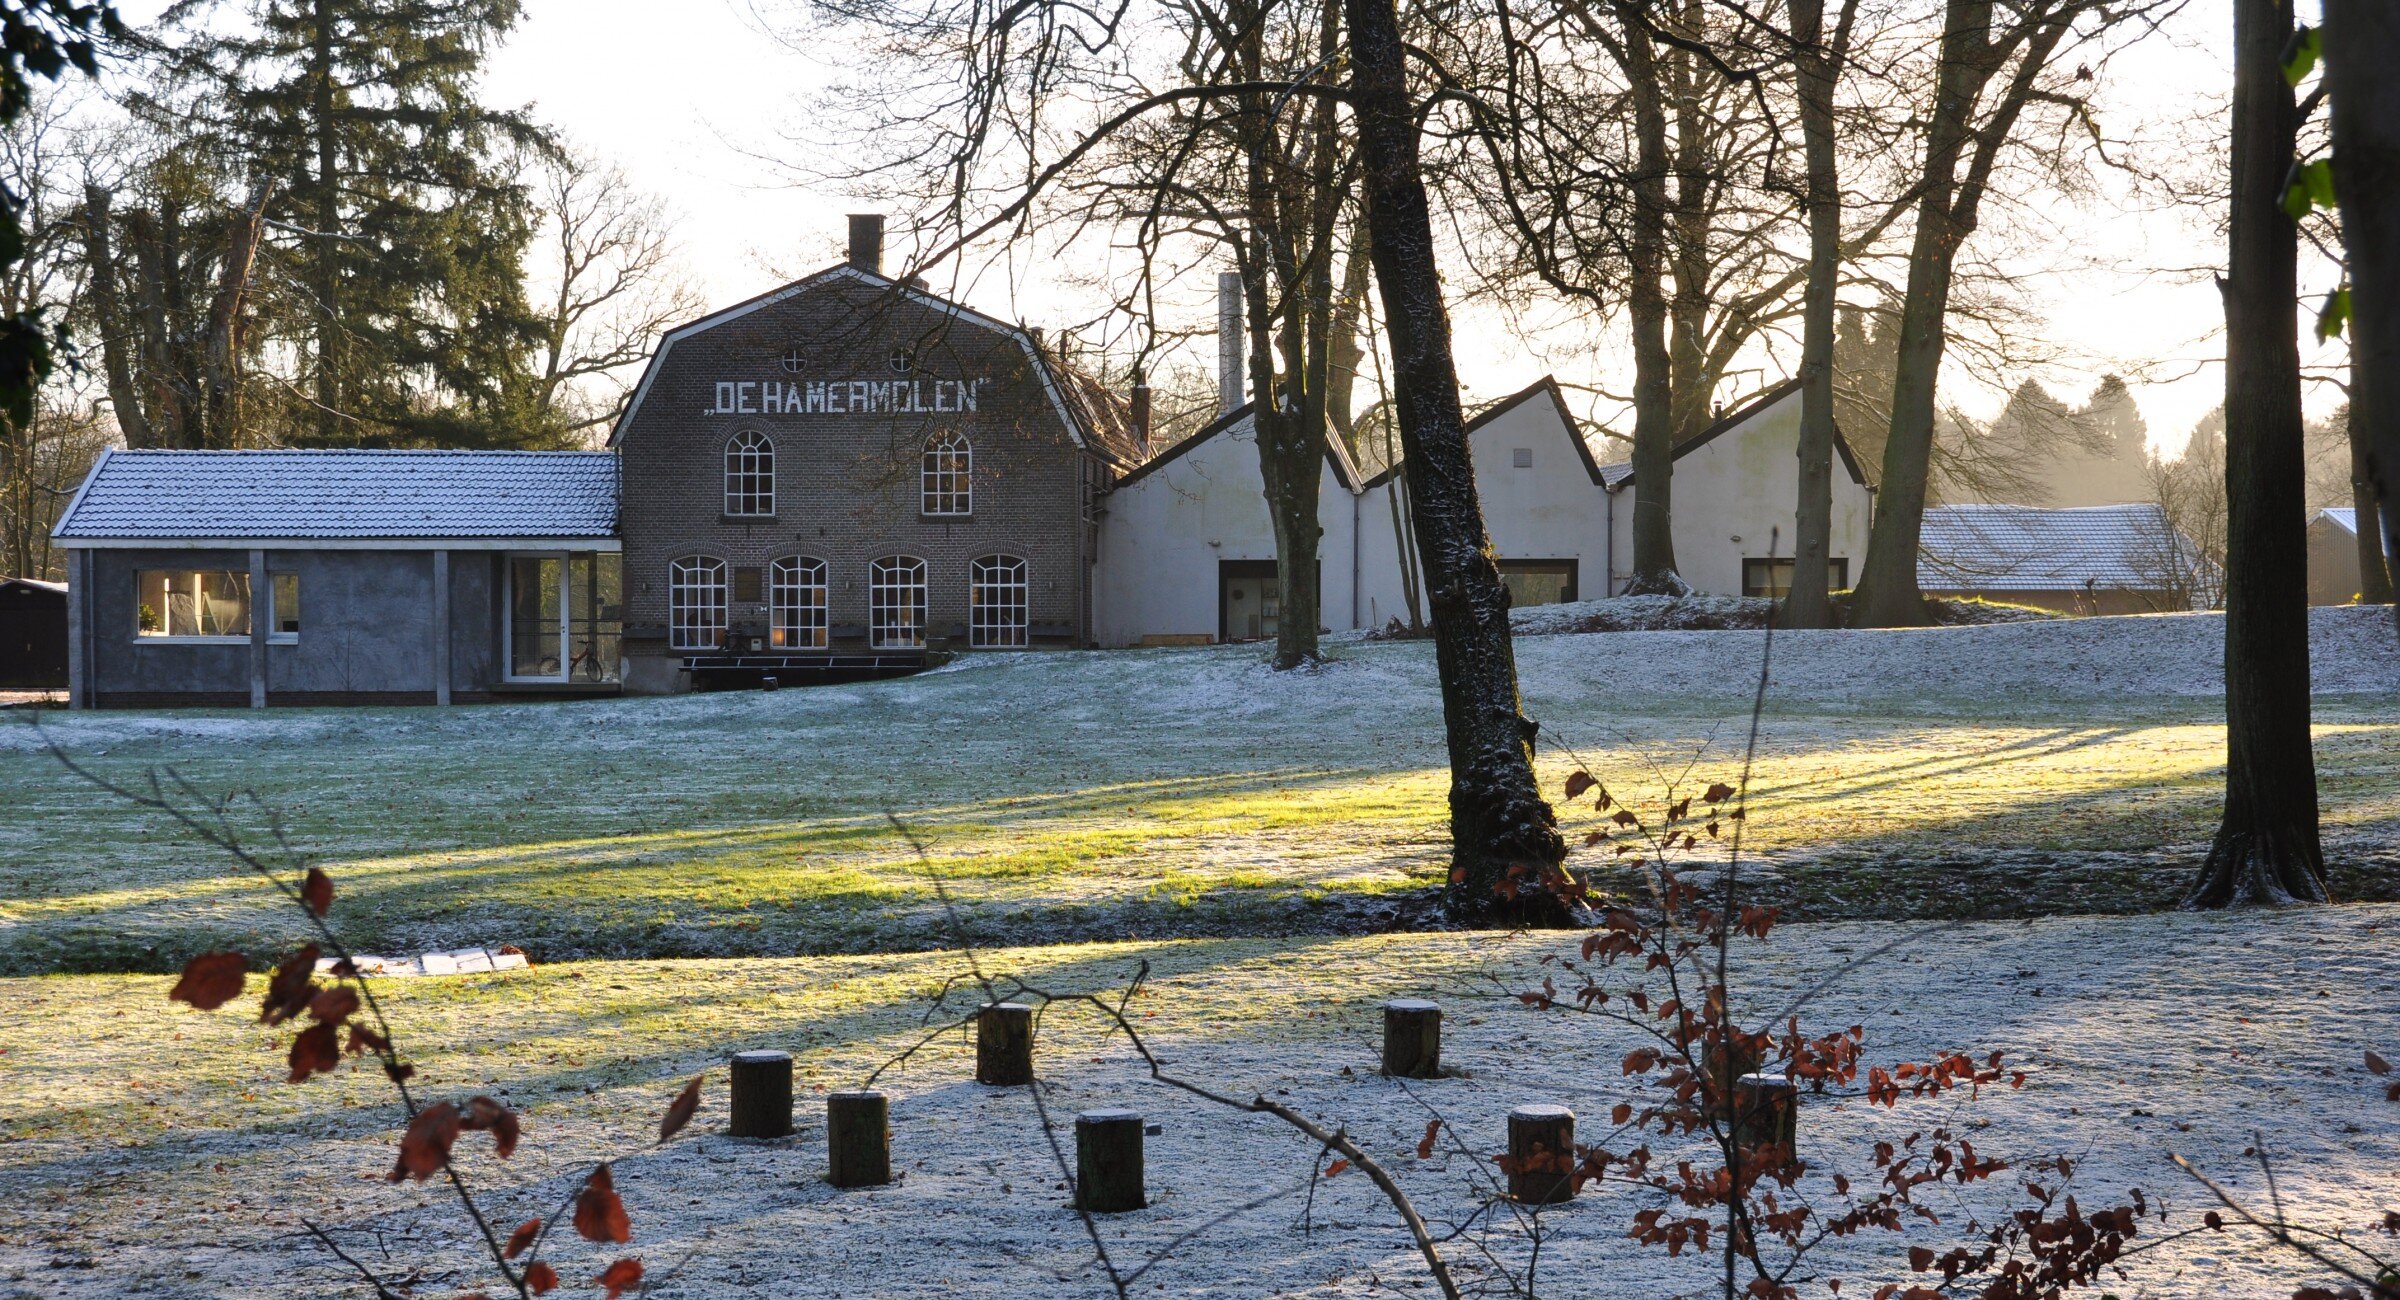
[(393, 218)]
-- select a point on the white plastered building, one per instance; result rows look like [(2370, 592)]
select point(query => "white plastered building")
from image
[(1186, 549)]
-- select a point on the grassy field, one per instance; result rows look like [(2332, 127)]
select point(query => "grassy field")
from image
[(2059, 767)]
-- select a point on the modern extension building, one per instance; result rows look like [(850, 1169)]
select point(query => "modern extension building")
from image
[(341, 577), (2122, 559)]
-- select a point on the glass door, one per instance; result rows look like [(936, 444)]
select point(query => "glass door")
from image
[(537, 617)]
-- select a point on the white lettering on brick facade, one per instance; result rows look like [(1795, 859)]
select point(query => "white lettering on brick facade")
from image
[(849, 397)]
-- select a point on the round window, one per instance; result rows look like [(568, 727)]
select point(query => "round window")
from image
[(903, 361), (793, 361)]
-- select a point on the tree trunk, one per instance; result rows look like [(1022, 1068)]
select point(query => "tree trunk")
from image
[(1810, 602), (2374, 570), (2266, 849), (108, 311), (1887, 586), (325, 266), (2362, 46), (1500, 827), (1646, 308), (222, 359)]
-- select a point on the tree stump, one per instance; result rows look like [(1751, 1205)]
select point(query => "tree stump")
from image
[(1412, 1038), (1108, 1161), (761, 1105), (1004, 1044), (858, 1139), (1766, 1113), (1541, 1151)]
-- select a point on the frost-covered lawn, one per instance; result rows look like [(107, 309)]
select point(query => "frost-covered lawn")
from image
[(149, 1149), (2067, 766)]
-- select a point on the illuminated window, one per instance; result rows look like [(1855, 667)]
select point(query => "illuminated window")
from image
[(996, 602), (749, 474), (896, 603), (696, 603), (949, 462), (796, 603), (192, 604)]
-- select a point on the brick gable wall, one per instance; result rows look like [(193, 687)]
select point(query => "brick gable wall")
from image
[(847, 481)]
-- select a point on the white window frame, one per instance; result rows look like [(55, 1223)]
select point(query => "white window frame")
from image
[(750, 475), (249, 603), (989, 622), (891, 581), (707, 574), (508, 620), (791, 579), (275, 633), (946, 475)]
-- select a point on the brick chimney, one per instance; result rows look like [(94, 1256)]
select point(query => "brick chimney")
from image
[(866, 242)]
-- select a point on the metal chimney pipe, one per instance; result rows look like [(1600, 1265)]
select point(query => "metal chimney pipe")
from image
[(1230, 380), (1140, 415), (866, 242)]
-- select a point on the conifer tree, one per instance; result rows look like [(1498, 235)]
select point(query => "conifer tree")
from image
[(396, 227)]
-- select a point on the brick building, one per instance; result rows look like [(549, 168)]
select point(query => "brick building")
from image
[(849, 471)]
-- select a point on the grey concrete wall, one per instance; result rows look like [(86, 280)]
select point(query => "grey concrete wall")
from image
[(366, 632)]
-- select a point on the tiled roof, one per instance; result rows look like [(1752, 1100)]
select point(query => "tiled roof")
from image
[(2024, 548), (2342, 517), (345, 495)]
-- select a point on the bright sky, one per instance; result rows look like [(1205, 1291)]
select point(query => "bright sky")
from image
[(687, 108)]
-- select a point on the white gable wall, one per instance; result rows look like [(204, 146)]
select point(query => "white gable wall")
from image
[(1163, 534), (1549, 510), (1730, 492)]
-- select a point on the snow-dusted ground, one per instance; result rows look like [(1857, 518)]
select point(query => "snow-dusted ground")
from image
[(2059, 765), (2206, 1036)]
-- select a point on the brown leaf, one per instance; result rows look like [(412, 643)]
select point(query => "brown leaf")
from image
[(679, 1111), (1681, 806), (1578, 782), (316, 892), (522, 1237), (288, 994), (1425, 1143), (485, 1113), (1717, 792), (540, 1278), (620, 1276), (2378, 1064), (427, 1142), (211, 980), (334, 1005), (315, 1050), (1624, 818), (363, 1039), (1335, 1169), (599, 1212)]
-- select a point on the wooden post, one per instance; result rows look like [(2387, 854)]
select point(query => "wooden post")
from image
[(858, 1139), (1541, 1150), (761, 1105), (1412, 1038), (441, 629), (1766, 1112), (1004, 1044), (1108, 1161)]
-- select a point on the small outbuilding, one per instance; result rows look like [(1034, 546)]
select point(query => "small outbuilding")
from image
[(33, 633), (341, 577), (2120, 559), (2333, 569)]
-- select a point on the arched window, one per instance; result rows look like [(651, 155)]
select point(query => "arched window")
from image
[(896, 603), (749, 474), (796, 603), (949, 464), (696, 599), (996, 602)]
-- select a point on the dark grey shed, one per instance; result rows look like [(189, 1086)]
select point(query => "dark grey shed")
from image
[(33, 633)]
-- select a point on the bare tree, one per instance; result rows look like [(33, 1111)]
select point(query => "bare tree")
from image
[(1992, 63), (606, 287), (1818, 60), (2266, 849)]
